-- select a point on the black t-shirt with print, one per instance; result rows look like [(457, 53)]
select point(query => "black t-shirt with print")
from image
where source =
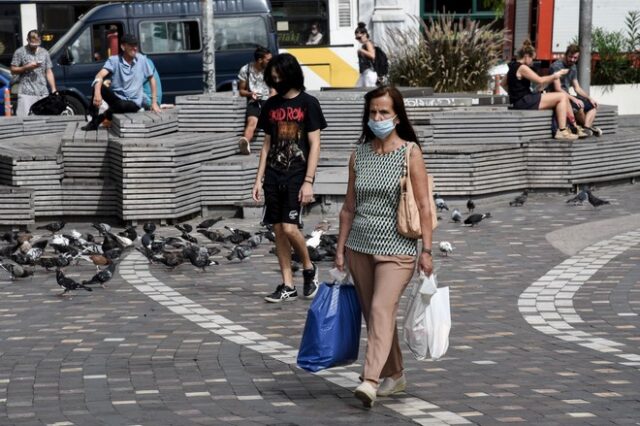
[(289, 122)]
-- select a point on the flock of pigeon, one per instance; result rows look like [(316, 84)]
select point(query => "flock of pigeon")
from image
[(21, 252)]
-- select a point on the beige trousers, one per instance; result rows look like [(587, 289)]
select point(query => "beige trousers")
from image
[(380, 282)]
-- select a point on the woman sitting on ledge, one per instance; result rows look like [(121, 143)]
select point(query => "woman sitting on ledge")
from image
[(518, 82)]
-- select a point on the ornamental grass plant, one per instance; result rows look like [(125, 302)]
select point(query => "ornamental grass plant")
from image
[(450, 55)]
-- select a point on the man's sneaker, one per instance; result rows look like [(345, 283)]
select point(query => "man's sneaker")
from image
[(92, 125), (243, 144), (283, 293), (580, 132), (596, 131), (310, 277), (565, 134)]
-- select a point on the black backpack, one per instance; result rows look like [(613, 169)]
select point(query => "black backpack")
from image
[(53, 104), (380, 63)]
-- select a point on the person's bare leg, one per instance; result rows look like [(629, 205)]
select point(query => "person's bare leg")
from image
[(283, 251), (590, 118), (558, 102), (297, 241), (250, 127)]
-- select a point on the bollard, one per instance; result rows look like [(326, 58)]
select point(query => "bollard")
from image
[(7, 102)]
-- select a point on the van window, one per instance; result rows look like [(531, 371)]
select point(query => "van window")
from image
[(169, 36), (240, 32), (96, 43)]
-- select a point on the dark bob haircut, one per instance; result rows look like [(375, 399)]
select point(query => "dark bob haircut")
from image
[(403, 128), (289, 70)]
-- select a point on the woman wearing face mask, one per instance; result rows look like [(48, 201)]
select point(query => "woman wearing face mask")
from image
[(291, 121), (380, 260), (315, 36), (366, 55)]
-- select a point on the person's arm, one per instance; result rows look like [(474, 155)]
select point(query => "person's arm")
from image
[(243, 89), (580, 91), (505, 83), (305, 196), (97, 87), (51, 80), (262, 166), (347, 213), (419, 181), (368, 51), (154, 94), (531, 75), (15, 69)]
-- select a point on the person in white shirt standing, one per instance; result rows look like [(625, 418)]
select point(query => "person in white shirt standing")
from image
[(33, 64)]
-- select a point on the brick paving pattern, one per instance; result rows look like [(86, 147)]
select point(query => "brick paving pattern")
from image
[(539, 335)]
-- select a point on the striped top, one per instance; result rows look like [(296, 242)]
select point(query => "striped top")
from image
[(377, 188)]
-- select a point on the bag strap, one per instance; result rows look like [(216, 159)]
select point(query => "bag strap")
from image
[(407, 154)]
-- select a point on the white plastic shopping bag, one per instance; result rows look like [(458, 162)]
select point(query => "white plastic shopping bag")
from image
[(438, 323), (428, 287), (428, 321)]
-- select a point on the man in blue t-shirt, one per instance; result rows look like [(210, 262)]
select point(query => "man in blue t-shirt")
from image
[(129, 71), (584, 106)]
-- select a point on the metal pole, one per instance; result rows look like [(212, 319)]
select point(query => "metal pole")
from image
[(208, 48), (584, 34)]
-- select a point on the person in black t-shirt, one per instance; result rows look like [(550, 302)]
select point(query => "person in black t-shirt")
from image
[(291, 121)]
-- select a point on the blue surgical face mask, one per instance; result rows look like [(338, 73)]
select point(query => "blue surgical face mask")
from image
[(382, 128)]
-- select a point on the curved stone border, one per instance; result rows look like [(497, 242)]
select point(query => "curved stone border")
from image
[(547, 305), (135, 270)]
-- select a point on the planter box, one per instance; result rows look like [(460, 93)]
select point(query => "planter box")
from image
[(625, 96)]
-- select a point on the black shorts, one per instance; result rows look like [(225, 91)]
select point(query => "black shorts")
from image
[(588, 106), (254, 108), (530, 101), (281, 191)]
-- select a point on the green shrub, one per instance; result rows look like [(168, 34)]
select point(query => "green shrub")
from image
[(448, 55)]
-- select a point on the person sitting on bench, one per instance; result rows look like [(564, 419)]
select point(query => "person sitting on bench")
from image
[(129, 71)]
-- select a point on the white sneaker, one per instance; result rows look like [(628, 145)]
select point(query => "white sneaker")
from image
[(366, 393), (390, 386)]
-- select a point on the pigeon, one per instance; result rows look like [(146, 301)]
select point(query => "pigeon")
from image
[(149, 228), (475, 218), (237, 235), (580, 197), (102, 228), (440, 204), (68, 283), (16, 271), (214, 235), (98, 260), (171, 258), (456, 216), (208, 223), (185, 228), (520, 199), (198, 256), (239, 252), (471, 205), (595, 201), (255, 241), (188, 237), (446, 248), (53, 227), (269, 234), (314, 240), (130, 233), (102, 276), (50, 262)]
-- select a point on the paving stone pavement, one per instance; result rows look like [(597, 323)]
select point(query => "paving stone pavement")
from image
[(541, 334)]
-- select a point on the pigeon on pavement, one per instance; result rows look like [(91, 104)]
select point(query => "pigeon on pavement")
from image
[(476, 218)]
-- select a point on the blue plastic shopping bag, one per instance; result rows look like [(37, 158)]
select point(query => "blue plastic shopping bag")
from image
[(332, 332)]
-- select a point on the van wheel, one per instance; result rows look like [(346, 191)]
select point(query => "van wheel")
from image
[(73, 107)]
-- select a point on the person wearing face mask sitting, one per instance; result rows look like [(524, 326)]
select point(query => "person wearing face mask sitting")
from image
[(33, 64), (315, 36)]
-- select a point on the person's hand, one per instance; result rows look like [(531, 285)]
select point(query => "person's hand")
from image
[(257, 189), (593, 102), (338, 261), (155, 107), (32, 66), (305, 196), (578, 102), (254, 96), (561, 73), (97, 101), (425, 263)]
